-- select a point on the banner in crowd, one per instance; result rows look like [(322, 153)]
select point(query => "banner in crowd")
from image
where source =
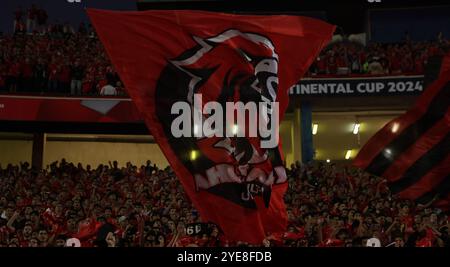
[(359, 86), (170, 57), (68, 109), (413, 151)]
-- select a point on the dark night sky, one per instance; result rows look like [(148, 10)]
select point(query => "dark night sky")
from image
[(60, 10), (348, 14)]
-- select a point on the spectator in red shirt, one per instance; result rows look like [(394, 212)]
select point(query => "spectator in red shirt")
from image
[(64, 79), (342, 61), (331, 63), (2, 77), (53, 76), (407, 63), (419, 65), (13, 77), (26, 76), (395, 63), (87, 86), (322, 65)]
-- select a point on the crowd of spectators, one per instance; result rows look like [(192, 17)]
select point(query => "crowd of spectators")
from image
[(352, 58), (55, 58), (58, 59), (145, 206), (34, 18)]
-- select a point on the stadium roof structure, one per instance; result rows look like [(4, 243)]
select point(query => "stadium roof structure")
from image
[(347, 14)]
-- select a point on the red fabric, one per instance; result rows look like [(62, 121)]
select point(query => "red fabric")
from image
[(383, 137), (341, 63), (4, 233), (277, 238), (422, 144), (445, 66), (326, 232), (443, 203), (141, 44), (27, 70), (49, 218), (321, 65), (49, 109), (185, 241), (14, 69), (87, 229), (294, 236), (395, 63), (332, 64), (53, 70), (64, 75), (420, 147), (330, 242), (101, 83), (419, 66), (427, 182), (424, 242)]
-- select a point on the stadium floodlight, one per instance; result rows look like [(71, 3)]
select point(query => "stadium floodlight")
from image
[(356, 128), (395, 127), (315, 128), (193, 155), (195, 129), (387, 153), (348, 154), (235, 129)]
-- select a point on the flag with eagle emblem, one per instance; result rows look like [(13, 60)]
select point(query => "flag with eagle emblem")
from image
[(164, 57)]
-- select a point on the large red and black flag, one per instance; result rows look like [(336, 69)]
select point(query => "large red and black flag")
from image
[(164, 57), (412, 151)]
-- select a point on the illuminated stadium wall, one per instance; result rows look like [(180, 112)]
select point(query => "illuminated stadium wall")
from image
[(18, 151), (333, 138), (334, 134), (102, 152), (86, 152)]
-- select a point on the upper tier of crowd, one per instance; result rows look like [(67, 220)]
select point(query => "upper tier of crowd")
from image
[(351, 58), (60, 59)]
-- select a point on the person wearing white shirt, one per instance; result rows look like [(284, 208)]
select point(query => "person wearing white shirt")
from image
[(108, 90)]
